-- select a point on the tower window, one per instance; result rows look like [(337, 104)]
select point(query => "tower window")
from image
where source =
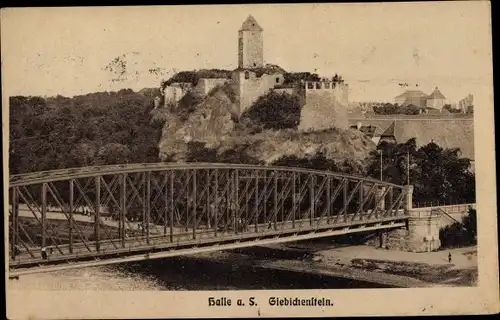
[(277, 80)]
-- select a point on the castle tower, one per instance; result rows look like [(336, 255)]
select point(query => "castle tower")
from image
[(250, 44)]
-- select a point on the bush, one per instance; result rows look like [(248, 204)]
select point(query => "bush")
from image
[(274, 111), (460, 233), (187, 104), (193, 76)]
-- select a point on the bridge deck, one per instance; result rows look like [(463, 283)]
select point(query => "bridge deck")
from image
[(163, 209), (184, 243)]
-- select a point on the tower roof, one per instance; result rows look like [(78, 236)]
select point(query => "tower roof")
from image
[(436, 94), (250, 24), (389, 132)]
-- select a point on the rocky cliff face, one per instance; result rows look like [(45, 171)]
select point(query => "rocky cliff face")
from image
[(213, 124)]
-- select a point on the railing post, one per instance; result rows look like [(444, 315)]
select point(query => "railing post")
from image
[(147, 206), (15, 222), (409, 198), (216, 200), (257, 201), (123, 207), (381, 200), (329, 198), (294, 200), (97, 212), (391, 197), (275, 200), (361, 199), (228, 194), (71, 209), (165, 213), (171, 211), (237, 200), (143, 222), (346, 185), (264, 198), (194, 203), (44, 214), (207, 201), (311, 196)]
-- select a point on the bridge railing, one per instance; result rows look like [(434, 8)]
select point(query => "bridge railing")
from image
[(134, 205), (442, 203)]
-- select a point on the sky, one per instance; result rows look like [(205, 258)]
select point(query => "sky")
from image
[(71, 51)]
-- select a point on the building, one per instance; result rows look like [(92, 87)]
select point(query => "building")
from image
[(254, 78), (389, 134), (436, 100), (415, 97), (250, 44), (466, 104), (174, 92)]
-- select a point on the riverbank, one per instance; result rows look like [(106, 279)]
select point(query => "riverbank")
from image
[(361, 263), (301, 265)]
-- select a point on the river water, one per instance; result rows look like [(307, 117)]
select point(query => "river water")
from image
[(181, 273)]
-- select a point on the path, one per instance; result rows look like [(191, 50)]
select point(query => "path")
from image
[(345, 255)]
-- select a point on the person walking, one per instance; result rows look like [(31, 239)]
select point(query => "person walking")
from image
[(44, 253), (449, 257)]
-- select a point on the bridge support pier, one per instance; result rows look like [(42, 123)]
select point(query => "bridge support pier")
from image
[(421, 233)]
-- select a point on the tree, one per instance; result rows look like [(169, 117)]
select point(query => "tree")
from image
[(320, 162), (113, 153), (437, 174), (460, 233), (274, 111), (96, 128)]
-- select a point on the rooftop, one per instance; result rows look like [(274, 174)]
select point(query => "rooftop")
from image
[(412, 94), (250, 24), (389, 132), (436, 94)]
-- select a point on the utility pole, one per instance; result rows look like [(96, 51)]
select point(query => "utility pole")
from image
[(408, 167)]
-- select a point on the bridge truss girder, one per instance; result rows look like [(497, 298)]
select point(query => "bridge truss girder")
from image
[(78, 215)]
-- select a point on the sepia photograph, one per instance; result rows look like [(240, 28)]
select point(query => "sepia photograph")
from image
[(249, 160)]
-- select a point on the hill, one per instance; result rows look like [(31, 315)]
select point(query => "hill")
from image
[(93, 129), (212, 133)]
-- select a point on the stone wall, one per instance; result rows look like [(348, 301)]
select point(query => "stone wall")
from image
[(446, 132), (454, 213), (395, 239), (249, 87), (284, 90), (324, 108), (204, 85), (174, 92), (436, 103), (423, 231), (250, 49)]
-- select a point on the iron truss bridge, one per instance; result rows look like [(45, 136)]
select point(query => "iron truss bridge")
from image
[(110, 214)]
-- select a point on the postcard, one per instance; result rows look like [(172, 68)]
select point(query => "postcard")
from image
[(271, 160)]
